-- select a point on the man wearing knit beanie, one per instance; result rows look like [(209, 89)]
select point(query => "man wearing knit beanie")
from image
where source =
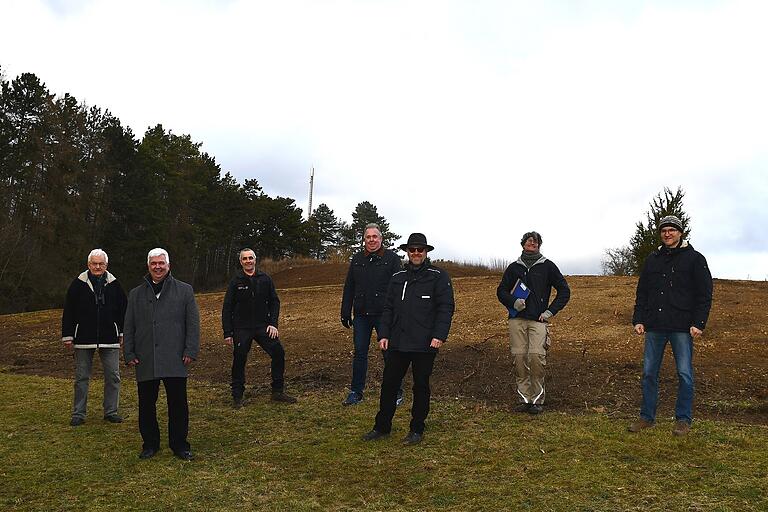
[(528, 318), (672, 303)]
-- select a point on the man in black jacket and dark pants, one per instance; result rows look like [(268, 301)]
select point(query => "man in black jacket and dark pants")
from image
[(365, 290), (672, 303), (250, 312), (528, 318), (415, 323)]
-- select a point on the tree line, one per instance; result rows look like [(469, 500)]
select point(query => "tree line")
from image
[(73, 178)]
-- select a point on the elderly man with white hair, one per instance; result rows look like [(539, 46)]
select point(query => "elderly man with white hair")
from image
[(162, 338), (93, 320)]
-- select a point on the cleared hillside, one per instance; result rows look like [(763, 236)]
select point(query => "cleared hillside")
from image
[(595, 360)]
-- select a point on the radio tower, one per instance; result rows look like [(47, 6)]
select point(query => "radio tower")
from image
[(311, 186)]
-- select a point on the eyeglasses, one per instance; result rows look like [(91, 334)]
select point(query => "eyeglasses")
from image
[(416, 249)]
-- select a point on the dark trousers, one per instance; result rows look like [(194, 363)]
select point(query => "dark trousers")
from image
[(242, 345), (178, 413), (395, 367)]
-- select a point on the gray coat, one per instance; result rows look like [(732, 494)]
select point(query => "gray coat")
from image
[(159, 332)]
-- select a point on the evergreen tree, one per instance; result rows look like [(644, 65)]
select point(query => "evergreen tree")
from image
[(366, 213), (646, 237), (323, 228)]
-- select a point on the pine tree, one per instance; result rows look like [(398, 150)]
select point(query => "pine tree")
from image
[(646, 237), (366, 213)]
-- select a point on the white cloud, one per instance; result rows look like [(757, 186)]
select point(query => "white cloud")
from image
[(470, 122)]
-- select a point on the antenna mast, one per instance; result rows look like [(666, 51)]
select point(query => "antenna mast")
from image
[(311, 187)]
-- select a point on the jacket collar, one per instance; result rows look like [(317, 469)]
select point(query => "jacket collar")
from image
[(84, 278)]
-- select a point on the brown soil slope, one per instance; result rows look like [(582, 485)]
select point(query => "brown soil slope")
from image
[(594, 363)]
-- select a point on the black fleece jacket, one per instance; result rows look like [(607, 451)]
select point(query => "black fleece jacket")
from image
[(250, 302)]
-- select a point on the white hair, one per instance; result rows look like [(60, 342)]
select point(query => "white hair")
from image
[(96, 253), (157, 251)]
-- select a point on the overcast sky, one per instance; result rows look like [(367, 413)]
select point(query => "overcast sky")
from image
[(470, 121)]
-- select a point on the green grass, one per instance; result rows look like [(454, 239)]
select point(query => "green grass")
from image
[(308, 456)]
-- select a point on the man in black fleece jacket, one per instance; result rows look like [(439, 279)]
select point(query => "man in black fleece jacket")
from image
[(528, 318), (250, 312)]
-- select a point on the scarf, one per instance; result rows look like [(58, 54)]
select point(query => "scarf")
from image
[(529, 258)]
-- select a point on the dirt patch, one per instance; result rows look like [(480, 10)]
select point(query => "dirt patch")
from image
[(594, 363)]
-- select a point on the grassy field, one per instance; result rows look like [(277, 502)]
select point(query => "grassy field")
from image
[(308, 456)]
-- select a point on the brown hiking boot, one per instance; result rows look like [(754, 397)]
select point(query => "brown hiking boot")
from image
[(279, 396), (681, 428), (641, 424)]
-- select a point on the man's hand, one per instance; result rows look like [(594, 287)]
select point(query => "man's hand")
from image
[(436, 343), (228, 340), (545, 316), (384, 343), (272, 331), (346, 322), (132, 362), (695, 332), (640, 329), (68, 344), (187, 360), (519, 305)]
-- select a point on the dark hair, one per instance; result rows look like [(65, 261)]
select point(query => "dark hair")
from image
[(531, 234)]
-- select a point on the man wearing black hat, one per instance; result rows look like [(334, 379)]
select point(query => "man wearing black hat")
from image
[(528, 318), (672, 303), (415, 324)]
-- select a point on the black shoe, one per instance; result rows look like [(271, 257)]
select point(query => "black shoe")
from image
[(524, 407), (279, 396), (76, 421), (237, 402), (536, 409), (413, 438), (148, 453), (184, 455), (113, 418), (374, 435)]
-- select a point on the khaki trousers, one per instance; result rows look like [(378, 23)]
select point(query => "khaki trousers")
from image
[(527, 340)]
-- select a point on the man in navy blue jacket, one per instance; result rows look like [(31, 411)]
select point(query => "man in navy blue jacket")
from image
[(672, 303)]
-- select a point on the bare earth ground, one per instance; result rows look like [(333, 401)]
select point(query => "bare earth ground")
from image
[(594, 363)]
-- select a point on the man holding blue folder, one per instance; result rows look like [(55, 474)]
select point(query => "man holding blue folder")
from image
[(525, 289)]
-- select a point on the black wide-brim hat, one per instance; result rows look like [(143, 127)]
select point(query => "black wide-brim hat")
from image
[(416, 240)]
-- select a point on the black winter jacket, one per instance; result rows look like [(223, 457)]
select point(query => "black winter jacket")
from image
[(540, 279), (249, 303), (367, 281), (419, 307), (674, 291), (90, 322)]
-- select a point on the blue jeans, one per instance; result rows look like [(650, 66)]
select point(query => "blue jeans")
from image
[(362, 326), (682, 348)]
